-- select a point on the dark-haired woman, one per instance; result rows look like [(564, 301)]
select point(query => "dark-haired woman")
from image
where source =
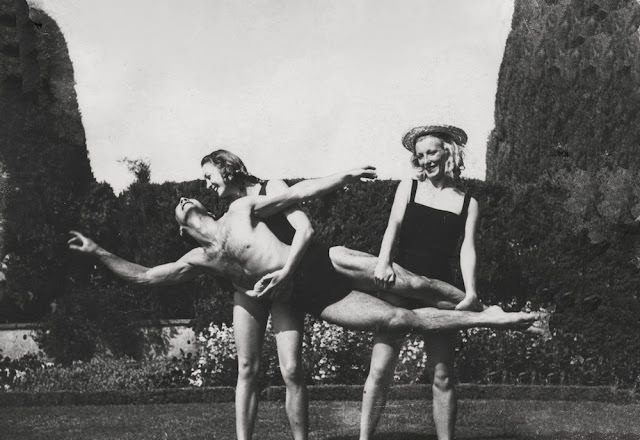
[(429, 217), (227, 176)]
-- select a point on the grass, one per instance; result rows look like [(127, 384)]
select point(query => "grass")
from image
[(403, 420)]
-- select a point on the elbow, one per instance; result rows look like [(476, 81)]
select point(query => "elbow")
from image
[(298, 194), (141, 281), (145, 280), (308, 232)]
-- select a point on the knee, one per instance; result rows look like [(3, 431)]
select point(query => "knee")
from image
[(339, 256), (396, 320), (292, 373), (248, 369), (381, 374), (442, 381)]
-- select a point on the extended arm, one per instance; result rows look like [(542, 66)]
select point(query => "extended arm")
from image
[(383, 274), (468, 259), (170, 273), (268, 205)]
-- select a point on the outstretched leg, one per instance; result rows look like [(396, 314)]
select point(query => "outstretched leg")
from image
[(288, 323), (359, 268), (360, 311)]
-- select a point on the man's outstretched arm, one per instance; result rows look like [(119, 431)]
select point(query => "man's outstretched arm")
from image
[(165, 274), (268, 205)]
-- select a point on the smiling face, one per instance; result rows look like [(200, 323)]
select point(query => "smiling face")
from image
[(431, 156), (214, 180)]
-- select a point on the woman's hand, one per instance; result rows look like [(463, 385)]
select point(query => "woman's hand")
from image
[(384, 276), (275, 284), (364, 173)]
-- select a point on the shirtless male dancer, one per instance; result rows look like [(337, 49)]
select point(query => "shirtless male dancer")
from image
[(240, 247)]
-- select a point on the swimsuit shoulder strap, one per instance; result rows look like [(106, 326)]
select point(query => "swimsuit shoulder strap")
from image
[(414, 187), (465, 205), (263, 188)]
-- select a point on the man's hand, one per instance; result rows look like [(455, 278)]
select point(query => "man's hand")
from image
[(365, 173), (80, 243), (384, 276), (275, 284)]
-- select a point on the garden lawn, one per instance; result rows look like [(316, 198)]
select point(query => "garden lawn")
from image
[(403, 420)]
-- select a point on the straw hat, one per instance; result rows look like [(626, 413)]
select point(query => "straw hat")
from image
[(456, 134)]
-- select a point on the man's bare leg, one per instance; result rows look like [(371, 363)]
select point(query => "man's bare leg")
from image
[(359, 268), (249, 323), (360, 311), (288, 324)]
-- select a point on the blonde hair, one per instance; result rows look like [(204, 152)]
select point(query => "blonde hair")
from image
[(455, 161)]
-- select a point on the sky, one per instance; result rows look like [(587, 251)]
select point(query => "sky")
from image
[(295, 88)]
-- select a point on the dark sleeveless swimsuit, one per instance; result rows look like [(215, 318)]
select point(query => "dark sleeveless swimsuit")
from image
[(429, 238), (316, 284), (278, 223)]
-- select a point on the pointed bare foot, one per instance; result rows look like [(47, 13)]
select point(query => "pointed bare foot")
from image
[(501, 319), (541, 325)]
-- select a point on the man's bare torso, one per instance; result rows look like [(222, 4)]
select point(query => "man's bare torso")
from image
[(242, 247)]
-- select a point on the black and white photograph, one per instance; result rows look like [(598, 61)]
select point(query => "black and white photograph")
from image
[(320, 220)]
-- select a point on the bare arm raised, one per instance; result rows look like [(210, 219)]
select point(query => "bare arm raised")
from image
[(268, 205), (186, 268)]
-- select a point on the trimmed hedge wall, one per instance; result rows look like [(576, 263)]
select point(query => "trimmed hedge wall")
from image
[(554, 242)]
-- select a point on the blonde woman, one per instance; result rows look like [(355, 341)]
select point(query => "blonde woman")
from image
[(429, 218)]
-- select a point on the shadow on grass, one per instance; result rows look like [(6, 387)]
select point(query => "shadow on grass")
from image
[(558, 436), (394, 436)]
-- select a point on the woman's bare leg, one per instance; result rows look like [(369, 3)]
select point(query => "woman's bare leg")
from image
[(384, 356), (440, 360), (288, 323), (249, 324)]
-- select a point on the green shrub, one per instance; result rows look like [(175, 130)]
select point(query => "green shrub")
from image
[(15, 372), (102, 374)]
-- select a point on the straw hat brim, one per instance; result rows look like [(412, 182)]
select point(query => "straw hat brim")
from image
[(457, 134)]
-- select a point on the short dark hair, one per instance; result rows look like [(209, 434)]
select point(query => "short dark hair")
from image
[(232, 168)]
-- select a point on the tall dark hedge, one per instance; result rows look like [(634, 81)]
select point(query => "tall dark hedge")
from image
[(43, 157), (568, 89)]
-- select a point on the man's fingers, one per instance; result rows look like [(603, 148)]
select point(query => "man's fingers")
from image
[(75, 243)]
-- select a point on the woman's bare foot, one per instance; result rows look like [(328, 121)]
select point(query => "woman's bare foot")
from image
[(470, 303)]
